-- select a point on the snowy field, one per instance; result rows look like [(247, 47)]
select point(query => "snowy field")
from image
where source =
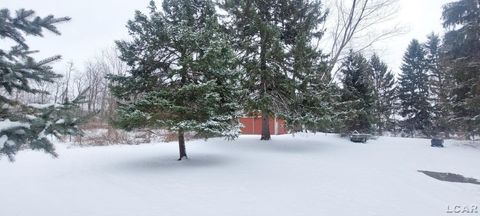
[(305, 175)]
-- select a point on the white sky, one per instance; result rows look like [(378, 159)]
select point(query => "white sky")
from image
[(97, 23)]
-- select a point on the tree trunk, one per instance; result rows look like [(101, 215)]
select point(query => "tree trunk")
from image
[(265, 127), (181, 145), (264, 84)]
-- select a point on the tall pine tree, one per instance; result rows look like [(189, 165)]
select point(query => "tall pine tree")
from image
[(256, 26), (183, 76), (414, 91), (357, 94), (29, 125), (440, 83), (309, 107), (283, 70), (462, 60), (385, 91)]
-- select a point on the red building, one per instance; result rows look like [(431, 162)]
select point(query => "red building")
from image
[(253, 125)]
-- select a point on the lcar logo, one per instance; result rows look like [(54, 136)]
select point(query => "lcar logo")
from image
[(459, 209)]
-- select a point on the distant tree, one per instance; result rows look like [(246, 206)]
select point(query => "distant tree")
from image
[(108, 62), (182, 76), (414, 92), (93, 77), (28, 125), (440, 85), (385, 92), (462, 60), (357, 94)]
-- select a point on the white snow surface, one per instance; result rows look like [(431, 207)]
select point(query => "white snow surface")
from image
[(302, 175), (44, 106), (7, 124), (3, 140)]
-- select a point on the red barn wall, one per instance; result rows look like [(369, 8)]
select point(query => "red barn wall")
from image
[(252, 125)]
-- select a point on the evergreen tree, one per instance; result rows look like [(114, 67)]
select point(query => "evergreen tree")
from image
[(462, 60), (28, 125), (182, 75), (440, 84), (274, 41), (384, 89), (357, 94), (309, 107), (256, 29), (414, 92)]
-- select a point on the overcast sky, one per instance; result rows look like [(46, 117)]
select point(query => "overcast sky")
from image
[(97, 23)]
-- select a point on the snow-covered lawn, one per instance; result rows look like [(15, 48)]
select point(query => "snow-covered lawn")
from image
[(290, 176)]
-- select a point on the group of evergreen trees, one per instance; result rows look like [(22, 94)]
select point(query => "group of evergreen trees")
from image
[(424, 89), (440, 81), (198, 65), (193, 70), (437, 92), (367, 96)]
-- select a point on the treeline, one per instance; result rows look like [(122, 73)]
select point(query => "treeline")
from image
[(88, 79), (437, 92), (420, 102), (199, 65), (192, 69)]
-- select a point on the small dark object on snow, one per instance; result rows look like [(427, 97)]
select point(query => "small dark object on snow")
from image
[(437, 142), (358, 137)]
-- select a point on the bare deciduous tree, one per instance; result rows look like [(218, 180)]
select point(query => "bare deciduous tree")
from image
[(68, 74), (99, 96), (357, 24)]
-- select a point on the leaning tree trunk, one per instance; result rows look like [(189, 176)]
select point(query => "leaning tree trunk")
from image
[(181, 145)]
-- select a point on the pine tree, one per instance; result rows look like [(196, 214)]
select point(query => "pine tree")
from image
[(309, 107), (385, 91), (182, 77), (414, 92), (357, 94), (283, 70), (462, 60), (257, 31), (440, 85), (28, 125)]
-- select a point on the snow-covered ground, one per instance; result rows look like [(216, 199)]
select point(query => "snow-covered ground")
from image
[(289, 176)]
